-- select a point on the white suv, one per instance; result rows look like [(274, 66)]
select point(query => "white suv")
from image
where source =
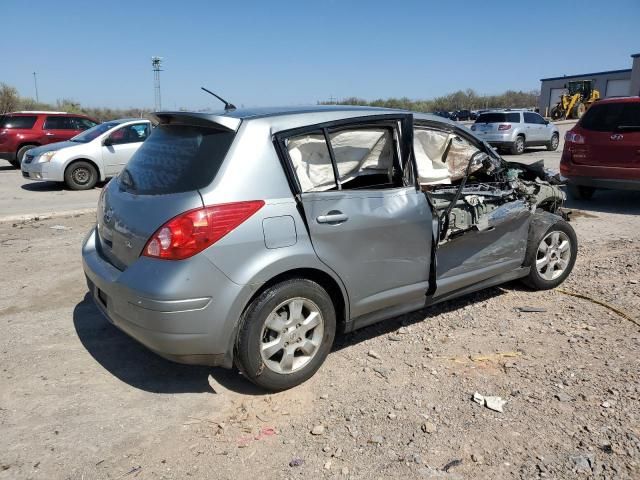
[(94, 155), (514, 130)]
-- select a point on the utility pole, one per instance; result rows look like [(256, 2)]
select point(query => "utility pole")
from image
[(156, 63), (35, 82)]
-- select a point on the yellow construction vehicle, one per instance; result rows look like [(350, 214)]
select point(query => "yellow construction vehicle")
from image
[(580, 95)]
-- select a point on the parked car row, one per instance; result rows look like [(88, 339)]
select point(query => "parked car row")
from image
[(69, 148)]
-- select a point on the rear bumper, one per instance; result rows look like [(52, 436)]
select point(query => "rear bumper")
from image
[(184, 311), (598, 176), (605, 183), (10, 156)]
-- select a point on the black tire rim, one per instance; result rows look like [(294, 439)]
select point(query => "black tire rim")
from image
[(81, 175)]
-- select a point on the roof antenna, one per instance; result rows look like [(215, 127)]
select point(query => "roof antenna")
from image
[(227, 105)]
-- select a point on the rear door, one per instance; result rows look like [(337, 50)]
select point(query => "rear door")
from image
[(367, 219), (58, 128), (612, 133), (121, 145), (533, 129)]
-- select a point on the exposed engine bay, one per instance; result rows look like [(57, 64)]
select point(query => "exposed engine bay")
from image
[(494, 190)]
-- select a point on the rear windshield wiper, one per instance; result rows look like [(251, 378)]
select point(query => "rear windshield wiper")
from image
[(628, 127)]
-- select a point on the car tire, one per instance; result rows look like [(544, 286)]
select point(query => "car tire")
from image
[(552, 146), (580, 192), (551, 256), (275, 348), (518, 146), (20, 155), (81, 176)]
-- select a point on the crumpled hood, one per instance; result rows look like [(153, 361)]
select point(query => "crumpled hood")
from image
[(52, 147)]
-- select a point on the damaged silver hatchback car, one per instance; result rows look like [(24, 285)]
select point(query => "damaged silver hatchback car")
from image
[(250, 237)]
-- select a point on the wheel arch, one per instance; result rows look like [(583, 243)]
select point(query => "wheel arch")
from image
[(325, 280), (27, 143)]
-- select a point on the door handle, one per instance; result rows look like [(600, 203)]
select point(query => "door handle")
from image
[(49, 134), (332, 217)]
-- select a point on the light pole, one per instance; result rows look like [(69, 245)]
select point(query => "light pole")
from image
[(35, 82), (156, 63)]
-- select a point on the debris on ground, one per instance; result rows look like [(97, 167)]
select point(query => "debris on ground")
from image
[(296, 462), (59, 227), (451, 464), (530, 309), (491, 402)]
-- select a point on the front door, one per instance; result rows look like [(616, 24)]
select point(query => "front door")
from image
[(366, 218), (120, 146)]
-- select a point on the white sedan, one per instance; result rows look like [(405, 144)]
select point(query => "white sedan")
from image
[(94, 155)]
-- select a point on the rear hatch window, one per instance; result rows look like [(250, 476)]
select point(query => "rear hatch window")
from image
[(176, 158), (499, 118), (609, 117), (17, 121)]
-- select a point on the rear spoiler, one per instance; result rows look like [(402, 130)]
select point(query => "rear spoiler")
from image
[(207, 120)]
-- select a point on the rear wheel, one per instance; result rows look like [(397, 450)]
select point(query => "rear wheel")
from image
[(20, 155), (553, 143), (286, 334), (580, 192), (81, 176), (551, 257), (518, 146)]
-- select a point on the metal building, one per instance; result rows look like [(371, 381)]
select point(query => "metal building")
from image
[(613, 83)]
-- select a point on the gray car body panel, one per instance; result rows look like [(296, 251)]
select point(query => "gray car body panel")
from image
[(388, 235)]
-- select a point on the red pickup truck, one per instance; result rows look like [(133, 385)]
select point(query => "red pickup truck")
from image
[(603, 150), (21, 131)]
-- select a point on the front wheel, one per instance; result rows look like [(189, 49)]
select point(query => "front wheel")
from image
[(286, 334), (551, 257), (552, 146), (20, 155), (81, 176)]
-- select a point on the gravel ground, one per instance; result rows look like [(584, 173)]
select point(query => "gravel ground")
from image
[(79, 399)]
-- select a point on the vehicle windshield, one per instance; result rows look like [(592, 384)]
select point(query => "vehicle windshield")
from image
[(94, 132), (498, 117)]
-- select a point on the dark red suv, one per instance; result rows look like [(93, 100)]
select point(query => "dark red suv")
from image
[(603, 149), (21, 131)]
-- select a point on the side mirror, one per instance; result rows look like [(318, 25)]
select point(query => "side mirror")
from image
[(546, 122), (107, 142)]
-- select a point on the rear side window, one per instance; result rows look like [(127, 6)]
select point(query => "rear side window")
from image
[(60, 123), (176, 158), (18, 121), (608, 117), (498, 117)]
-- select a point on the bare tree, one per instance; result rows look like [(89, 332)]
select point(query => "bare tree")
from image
[(9, 98)]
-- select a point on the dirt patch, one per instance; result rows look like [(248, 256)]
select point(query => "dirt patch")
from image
[(79, 399)]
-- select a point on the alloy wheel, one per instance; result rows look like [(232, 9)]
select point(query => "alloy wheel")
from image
[(554, 253), (291, 335)]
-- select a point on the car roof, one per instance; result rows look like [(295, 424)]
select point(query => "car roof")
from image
[(283, 118), (619, 100)]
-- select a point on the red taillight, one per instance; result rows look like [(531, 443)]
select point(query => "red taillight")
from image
[(504, 127), (573, 137), (193, 231)]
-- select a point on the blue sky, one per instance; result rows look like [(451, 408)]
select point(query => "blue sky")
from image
[(296, 52)]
